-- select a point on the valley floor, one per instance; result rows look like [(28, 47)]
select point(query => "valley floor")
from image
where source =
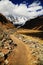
[(22, 49)]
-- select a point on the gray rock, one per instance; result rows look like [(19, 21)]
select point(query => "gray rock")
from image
[(1, 54)]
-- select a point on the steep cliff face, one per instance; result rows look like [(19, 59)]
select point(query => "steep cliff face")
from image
[(36, 23)]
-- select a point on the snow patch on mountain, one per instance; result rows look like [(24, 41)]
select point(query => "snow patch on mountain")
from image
[(19, 20)]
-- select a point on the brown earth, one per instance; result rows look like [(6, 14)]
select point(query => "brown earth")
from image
[(21, 54), (21, 49)]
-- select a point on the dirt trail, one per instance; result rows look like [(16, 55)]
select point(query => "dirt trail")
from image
[(21, 54), (24, 31)]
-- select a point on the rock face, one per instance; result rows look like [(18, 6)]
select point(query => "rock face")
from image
[(36, 23)]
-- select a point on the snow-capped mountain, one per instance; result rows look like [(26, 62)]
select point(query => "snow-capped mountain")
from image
[(17, 20), (10, 17)]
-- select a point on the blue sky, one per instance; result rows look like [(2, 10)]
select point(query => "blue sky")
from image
[(19, 8), (34, 9), (27, 1)]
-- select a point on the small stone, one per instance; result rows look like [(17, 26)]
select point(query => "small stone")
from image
[(1, 54), (10, 41), (15, 44), (20, 38), (3, 40), (1, 44), (1, 36), (6, 61)]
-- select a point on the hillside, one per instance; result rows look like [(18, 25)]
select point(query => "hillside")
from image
[(5, 22), (36, 23), (17, 48)]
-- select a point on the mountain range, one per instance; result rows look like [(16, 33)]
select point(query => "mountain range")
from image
[(17, 20), (36, 23)]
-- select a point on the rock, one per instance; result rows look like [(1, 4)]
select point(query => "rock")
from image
[(40, 62), (1, 57), (15, 44), (10, 41), (1, 54), (20, 38), (1, 36), (2, 63), (6, 61), (6, 45), (3, 40), (1, 44)]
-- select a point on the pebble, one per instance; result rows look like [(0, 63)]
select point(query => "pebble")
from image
[(1, 43), (1, 54), (1, 36), (6, 61)]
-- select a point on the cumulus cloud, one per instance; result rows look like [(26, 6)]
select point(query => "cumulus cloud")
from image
[(7, 7)]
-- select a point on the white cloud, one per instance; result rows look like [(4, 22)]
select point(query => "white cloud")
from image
[(7, 7), (34, 4), (4, 0), (34, 8)]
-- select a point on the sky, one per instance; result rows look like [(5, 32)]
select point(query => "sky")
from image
[(26, 1), (27, 8)]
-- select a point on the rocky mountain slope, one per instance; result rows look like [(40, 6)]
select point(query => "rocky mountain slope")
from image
[(5, 21), (17, 48), (36, 23)]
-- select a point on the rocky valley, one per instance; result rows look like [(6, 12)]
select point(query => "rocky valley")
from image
[(20, 46)]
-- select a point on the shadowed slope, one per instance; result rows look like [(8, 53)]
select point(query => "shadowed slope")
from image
[(3, 18), (36, 23), (4, 22)]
